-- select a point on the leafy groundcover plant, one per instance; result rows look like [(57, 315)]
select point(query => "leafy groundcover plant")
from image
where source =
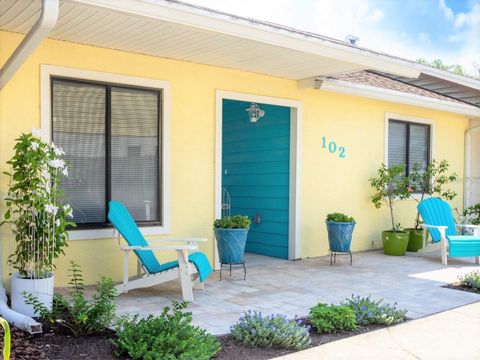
[(368, 311), (339, 217), (169, 336), (80, 316), (256, 330), (471, 280), (332, 318), (232, 222)]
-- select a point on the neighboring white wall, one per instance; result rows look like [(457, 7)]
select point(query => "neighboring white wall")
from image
[(472, 195)]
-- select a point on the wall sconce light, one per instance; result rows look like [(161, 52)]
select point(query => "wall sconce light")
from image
[(254, 112)]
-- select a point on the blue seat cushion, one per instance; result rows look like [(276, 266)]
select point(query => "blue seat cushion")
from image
[(198, 259), (463, 245)]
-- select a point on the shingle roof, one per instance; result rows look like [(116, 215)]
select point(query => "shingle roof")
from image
[(372, 79)]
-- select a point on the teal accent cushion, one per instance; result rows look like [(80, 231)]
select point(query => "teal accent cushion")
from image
[(461, 245)]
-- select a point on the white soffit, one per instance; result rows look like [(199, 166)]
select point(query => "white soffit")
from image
[(177, 31)]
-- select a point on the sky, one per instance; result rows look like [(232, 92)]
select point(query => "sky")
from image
[(432, 29)]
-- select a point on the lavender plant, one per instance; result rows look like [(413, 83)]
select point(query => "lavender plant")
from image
[(368, 311), (256, 330), (35, 208)]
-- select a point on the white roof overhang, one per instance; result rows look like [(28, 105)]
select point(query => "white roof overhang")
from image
[(179, 31)]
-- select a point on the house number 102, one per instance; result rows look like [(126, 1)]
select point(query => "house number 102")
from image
[(333, 147)]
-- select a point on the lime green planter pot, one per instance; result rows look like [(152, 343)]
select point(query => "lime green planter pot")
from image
[(395, 242), (415, 241)]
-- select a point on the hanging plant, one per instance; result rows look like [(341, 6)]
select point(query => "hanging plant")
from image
[(35, 208)]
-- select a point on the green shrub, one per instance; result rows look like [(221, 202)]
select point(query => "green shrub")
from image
[(255, 330), (471, 280), (332, 318), (169, 336), (339, 217), (368, 311), (79, 316), (232, 222)]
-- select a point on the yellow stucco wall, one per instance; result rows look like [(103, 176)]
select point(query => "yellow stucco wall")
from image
[(328, 183)]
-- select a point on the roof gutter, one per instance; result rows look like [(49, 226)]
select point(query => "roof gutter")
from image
[(345, 87), (39, 31), (468, 165)]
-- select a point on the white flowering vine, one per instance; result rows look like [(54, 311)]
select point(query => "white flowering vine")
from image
[(35, 210)]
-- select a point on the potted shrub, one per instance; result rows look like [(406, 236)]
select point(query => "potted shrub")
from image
[(391, 185), (340, 229), (231, 234), (425, 182), (470, 215), (38, 219)]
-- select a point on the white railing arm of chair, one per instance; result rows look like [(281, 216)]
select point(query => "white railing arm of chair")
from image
[(178, 240), (439, 227), (160, 247), (469, 226)]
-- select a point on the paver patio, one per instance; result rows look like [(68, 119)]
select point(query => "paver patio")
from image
[(292, 287)]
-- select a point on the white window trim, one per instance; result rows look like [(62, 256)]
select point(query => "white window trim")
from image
[(411, 119), (49, 71)]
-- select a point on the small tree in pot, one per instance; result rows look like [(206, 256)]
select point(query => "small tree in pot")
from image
[(38, 218), (391, 185), (432, 180), (231, 235), (340, 229)]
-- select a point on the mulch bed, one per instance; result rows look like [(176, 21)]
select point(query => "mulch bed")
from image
[(233, 351), (59, 346), (459, 286)]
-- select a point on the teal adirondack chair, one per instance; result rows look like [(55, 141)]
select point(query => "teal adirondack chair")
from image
[(438, 219), (192, 270)]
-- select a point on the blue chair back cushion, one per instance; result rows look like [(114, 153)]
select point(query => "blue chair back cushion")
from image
[(120, 217), (435, 211)]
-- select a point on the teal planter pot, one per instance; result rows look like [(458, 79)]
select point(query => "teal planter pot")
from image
[(340, 235), (395, 242), (231, 245)]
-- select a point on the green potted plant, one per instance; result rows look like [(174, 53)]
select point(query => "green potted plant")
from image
[(38, 218), (425, 182), (231, 235), (391, 185), (470, 215)]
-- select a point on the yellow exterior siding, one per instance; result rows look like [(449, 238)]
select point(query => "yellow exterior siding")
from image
[(327, 183)]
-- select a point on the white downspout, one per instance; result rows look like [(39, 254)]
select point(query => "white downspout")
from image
[(39, 31), (468, 152), (43, 26)]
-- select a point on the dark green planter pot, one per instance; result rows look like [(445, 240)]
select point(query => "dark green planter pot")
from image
[(395, 242), (415, 241)]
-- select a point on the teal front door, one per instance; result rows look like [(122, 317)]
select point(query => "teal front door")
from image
[(256, 173)]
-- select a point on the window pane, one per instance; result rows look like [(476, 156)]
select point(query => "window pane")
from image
[(134, 151), (79, 128), (397, 143), (418, 147)]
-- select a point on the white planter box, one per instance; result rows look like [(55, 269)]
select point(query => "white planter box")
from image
[(41, 288)]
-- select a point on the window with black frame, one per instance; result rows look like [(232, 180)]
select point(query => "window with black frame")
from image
[(409, 144), (111, 135)]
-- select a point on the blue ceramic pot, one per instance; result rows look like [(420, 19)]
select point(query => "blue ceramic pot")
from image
[(340, 235), (231, 245)]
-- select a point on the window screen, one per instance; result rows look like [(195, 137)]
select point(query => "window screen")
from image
[(409, 144), (135, 151), (111, 137)]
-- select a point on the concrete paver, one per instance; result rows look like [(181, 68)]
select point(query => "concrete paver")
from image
[(292, 287)]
